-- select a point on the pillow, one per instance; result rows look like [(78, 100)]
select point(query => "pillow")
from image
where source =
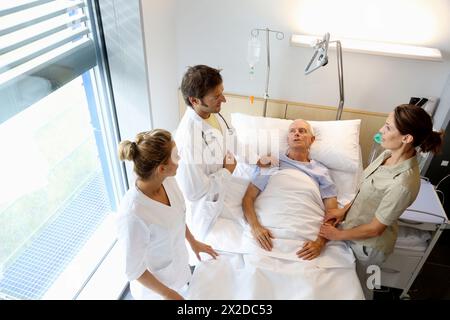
[(336, 144)]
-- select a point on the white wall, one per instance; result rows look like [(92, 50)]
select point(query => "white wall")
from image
[(216, 32), (160, 45)]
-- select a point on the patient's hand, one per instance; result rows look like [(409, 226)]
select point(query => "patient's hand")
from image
[(310, 250), (267, 161), (335, 216), (263, 236), (330, 232)]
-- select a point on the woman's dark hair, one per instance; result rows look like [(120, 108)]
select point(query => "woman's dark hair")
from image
[(198, 80), (413, 120), (148, 151)]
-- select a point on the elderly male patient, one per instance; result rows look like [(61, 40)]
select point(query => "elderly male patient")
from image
[(300, 138)]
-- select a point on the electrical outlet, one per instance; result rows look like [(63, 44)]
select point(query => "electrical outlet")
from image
[(444, 163)]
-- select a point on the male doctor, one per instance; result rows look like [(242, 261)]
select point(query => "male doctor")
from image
[(203, 139)]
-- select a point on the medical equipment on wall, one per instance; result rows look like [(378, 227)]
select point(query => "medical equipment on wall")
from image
[(320, 58), (254, 50), (429, 104)]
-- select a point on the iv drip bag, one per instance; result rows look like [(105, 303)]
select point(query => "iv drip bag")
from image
[(254, 51)]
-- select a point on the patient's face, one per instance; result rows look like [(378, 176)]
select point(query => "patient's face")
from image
[(299, 135)]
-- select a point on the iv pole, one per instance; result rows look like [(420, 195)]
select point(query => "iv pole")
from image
[(279, 36)]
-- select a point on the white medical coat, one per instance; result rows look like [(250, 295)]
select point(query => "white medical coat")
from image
[(200, 174), (152, 237)]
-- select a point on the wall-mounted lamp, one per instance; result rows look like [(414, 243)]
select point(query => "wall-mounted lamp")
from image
[(320, 58), (376, 48)]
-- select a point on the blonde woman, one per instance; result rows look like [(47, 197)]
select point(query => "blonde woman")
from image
[(151, 220)]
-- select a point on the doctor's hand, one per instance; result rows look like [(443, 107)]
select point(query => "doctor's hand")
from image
[(198, 247), (263, 236), (229, 162), (267, 161)]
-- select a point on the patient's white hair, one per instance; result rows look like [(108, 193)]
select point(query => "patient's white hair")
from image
[(311, 129)]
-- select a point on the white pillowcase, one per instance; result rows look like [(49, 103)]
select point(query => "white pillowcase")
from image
[(336, 144)]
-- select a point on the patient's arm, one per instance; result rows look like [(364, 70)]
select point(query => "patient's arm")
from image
[(261, 234), (312, 249)]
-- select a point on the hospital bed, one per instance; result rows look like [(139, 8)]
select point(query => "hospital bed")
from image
[(420, 226), (244, 270)]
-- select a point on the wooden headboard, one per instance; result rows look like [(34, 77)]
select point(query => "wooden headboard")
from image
[(371, 122)]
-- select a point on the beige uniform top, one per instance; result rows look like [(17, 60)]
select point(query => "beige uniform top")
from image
[(384, 192)]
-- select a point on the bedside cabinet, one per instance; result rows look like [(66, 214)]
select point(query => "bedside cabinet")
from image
[(404, 264)]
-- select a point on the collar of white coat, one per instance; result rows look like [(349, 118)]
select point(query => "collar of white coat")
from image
[(200, 121)]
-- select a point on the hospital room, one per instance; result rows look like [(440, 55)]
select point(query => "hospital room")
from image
[(224, 150)]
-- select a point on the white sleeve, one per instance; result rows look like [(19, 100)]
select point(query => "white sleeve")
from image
[(195, 183), (134, 239)]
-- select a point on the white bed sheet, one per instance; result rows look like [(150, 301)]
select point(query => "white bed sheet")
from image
[(246, 271)]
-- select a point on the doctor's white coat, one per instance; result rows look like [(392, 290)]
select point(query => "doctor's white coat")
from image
[(200, 174)]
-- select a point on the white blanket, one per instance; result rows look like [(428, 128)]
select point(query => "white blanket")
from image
[(292, 209)]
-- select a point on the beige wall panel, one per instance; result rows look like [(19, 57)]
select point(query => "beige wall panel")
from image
[(371, 122), (307, 112)]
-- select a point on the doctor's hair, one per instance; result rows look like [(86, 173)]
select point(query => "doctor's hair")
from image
[(413, 120), (148, 151), (198, 80)]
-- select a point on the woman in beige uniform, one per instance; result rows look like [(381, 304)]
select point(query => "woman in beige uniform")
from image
[(390, 184)]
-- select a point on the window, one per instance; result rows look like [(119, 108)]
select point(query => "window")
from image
[(60, 177)]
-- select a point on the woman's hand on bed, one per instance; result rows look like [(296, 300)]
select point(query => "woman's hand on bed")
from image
[(330, 232), (267, 161), (263, 236), (310, 250), (198, 247)]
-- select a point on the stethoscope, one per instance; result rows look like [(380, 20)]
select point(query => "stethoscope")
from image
[(230, 130)]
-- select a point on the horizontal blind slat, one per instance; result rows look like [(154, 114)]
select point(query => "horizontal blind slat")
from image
[(44, 60), (37, 14), (13, 59), (26, 36), (12, 6)]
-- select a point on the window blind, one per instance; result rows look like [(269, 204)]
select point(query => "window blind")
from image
[(43, 45)]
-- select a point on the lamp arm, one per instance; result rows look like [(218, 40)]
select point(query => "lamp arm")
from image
[(341, 80)]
